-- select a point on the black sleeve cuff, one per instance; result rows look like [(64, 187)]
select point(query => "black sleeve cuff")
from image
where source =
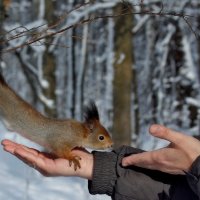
[(195, 168), (193, 176), (104, 173)]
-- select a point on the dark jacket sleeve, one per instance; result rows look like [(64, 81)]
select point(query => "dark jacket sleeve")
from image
[(110, 178), (193, 177)]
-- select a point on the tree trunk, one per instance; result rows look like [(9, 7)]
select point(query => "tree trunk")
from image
[(198, 72), (1, 22), (122, 77), (3, 15), (49, 64)]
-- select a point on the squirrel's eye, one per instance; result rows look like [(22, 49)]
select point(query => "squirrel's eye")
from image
[(101, 137)]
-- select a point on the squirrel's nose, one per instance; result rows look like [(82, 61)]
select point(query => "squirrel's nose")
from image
[(110, 146)]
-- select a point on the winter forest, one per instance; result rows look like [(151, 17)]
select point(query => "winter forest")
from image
[(139, 60)]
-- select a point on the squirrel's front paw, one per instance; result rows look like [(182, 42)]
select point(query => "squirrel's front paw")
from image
[(76, 161)]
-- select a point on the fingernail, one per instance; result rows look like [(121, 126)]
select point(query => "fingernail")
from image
[(124, 163), (4, 142), (155, 128)]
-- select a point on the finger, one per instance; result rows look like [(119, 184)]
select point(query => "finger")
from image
[(141, 160), (11, 149), (167, 134), (29, 157), (148, 160), (44, 165), (7, 142), (10, 146), (33, 164)]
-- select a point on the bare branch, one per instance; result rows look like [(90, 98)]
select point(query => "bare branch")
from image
[(39, 33), (189, 25)]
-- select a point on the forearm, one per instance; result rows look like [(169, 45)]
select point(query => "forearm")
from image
[(110, 178), (86, 170), (86, 163), (104, 173), (47, 164)]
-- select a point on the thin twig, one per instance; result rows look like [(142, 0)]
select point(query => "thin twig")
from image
[(190, 27), (37, 36)]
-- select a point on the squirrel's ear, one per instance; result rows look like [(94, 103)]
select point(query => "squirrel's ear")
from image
[(91, 116), (91, 113)]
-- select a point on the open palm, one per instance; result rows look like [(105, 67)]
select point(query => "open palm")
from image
[(49, 165)]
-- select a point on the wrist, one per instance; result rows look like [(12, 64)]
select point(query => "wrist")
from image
[(86, 170), (86, 162)]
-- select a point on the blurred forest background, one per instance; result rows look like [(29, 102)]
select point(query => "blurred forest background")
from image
[(139, 60)]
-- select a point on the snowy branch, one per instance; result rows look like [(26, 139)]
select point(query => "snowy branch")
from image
[(21, 36)]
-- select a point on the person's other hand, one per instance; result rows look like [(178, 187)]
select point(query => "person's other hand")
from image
[(48, 165), (175, 158)]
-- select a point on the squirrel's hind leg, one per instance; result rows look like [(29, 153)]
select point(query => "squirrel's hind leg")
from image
[(69, 155), (75, 160)]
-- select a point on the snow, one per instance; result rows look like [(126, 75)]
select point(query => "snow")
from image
[(192, 101), (140, 24), (121, 58), (190, 72), (18, 181), (167, 86), (46, 101)]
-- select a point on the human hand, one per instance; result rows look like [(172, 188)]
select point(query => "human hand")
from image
[(176, 158), (48, 165)]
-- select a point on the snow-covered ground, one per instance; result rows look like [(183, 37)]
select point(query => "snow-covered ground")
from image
[(18, 181)]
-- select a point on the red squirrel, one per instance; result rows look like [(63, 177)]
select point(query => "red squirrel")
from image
[(59, 136)]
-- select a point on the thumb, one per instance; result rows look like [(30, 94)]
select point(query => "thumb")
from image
[(165, 133)]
